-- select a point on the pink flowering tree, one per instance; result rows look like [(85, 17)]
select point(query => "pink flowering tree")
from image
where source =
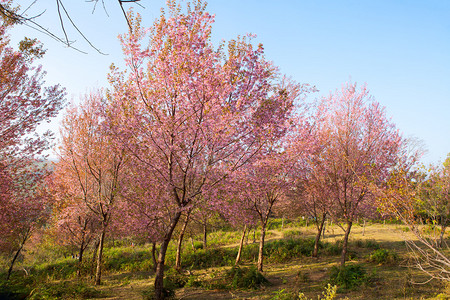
[(362, 147), (25, 102), (76, 225), (190, 113), (265, 182), (90, 165)]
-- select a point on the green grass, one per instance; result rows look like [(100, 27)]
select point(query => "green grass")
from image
[(209, 272)]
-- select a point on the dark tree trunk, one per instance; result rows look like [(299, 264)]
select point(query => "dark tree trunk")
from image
[(180, 243), (24, 239), (80, 256), (94, 255), (192, 244), (364, 227), (154, 256), (159, 276), (98, 269), (241, 245), (205, 235), (13, 261), (345, 243), (318, 235), (261, 247)]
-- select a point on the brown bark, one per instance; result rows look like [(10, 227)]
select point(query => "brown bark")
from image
[(154, 256), (318, 235), (80, 256), (159, 276), (180, 242), (241, 245), (192, 244), (24, 239), (254, 235), (98, 269), (345, 243), (364, 227), (205, 235), (261, 247), (13, 261), (94, 254)]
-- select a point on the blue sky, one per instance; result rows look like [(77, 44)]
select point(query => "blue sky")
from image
[(400, 49)]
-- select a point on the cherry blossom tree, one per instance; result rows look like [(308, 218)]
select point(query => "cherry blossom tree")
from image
[(263, 183), (362, 147), (91, 164), (310, 197), (266, 181), (25, 102), (76, 225), (189, 113)]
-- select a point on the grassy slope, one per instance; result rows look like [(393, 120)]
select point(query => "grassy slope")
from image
[(304, 274)]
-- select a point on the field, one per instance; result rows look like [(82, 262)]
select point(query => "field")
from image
[(379, 265)]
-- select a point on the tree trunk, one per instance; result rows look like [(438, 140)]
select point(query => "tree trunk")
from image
[(345, 244), (205, 235), (441, 237), (80, 256), (159, 276), (241, 245), (98, 270), (364, 227), (318, 235), (261, 247), (24, 239), (13, 261), (154, 256), (180, 242), (192, 244), (94, 255)]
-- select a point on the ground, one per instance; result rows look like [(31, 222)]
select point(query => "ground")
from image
[(305, 274)]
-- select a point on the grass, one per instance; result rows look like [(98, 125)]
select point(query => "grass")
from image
[(289, 268)]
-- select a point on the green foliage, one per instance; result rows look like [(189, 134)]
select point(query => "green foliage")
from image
[(193, 282), (371, 244), (286, 249), (222, 237), (198, 245), (283, 294), (64, 290), (16, 288), (127, 259), (246, 278), (349, 277), (368, 244), (332, 249), (328, 294), (59, 270), (174, 279), (292, 233), (32, 288), (202, 258), (383, 256)]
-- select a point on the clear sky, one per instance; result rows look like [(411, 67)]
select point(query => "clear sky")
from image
[(399, 48)]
